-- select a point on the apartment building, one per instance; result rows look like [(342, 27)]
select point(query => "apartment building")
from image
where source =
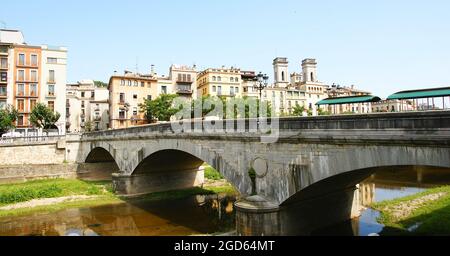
[(220, 82), (29, 75), (87, 107), (126, 93)]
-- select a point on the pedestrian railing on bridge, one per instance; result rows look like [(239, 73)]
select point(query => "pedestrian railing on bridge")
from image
[(30, 139)]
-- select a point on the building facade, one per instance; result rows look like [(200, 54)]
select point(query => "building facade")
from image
[(87, 107), (30, 75), (220, 82)]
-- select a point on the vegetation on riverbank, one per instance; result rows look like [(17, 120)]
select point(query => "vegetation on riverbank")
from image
[(35, 195), (50, 188), (425, 213), (211, 173)]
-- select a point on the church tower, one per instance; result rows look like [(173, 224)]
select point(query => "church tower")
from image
[(281, 74), (309, 70)]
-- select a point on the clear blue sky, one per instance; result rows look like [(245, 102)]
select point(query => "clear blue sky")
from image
[(381, 46)]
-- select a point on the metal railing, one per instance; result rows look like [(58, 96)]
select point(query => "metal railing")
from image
[(28, 139)]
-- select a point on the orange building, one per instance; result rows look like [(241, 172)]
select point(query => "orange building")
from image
[(26, 73)]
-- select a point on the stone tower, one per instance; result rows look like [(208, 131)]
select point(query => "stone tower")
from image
[(309, 70), (281, 73)]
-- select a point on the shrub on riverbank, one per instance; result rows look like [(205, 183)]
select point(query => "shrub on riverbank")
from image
[(425, 213), (51, 188), (212, 174)]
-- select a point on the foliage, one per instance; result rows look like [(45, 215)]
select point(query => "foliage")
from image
[(160, 108), (433, 216), (43, 117), (88, 126), (322, 112), (212, 174), (100, 84), (15, 193), (8, 116), (298, 110)]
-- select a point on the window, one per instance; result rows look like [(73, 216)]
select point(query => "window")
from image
[(184, 78), (231, 79), (2, 104), (51, 60), (282, 76), (122, 98), (164, 89), (20, 105), (34, 75), (312, 77), (121, 114), (3, 63), (51, 90), (189, 77), (51, 105), (34, 61), (51, 76), (20, 120), (21, 59), (219, 78), (82, 94), (33, 89), (214, 88), (93, 94), (142, 84), (179, 77), (20, 89), (32, 104), (135, 96), (135, 111), (149, 97), (219, 90), (122, 82), (135, 83), (214, 78), (4, 76), (129, 82), (236, 89), (21, 75), (231, 90), (2, 91)]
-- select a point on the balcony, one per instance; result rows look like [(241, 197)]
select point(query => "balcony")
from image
[(184, 91)]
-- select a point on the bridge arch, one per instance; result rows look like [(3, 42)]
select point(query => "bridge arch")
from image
[(170, 155), (334, 172)]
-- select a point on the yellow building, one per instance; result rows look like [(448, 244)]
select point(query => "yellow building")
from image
[(126, 92), (220, 82)]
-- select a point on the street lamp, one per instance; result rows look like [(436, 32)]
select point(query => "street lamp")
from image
[(261, 83)]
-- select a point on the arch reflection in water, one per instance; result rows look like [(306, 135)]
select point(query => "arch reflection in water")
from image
[(210, 214)]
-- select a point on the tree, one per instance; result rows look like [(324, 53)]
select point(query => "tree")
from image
[(88, 126), (160, 109), (298, 110), (322, 112), (100, 84), (8, 117), (43, 117)]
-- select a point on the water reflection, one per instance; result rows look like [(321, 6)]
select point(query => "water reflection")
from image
[(194, 215), (387, 184)]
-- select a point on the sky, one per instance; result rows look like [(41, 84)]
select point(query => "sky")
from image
[(380, 46)]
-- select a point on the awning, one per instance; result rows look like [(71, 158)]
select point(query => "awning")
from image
[(348, 100), (423, 93)]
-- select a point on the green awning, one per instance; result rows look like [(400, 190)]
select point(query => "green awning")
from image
[(348, 100), (424, 93)]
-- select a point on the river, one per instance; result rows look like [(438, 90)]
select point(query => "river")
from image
[(212, 214)]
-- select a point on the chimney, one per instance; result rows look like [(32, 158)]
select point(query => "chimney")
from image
[(152, 70)]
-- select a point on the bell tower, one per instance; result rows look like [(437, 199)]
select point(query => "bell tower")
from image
[(281, 73)]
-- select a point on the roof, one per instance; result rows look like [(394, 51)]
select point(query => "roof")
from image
[(348, 100), (422, 93)]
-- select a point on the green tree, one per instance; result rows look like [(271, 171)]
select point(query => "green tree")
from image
[(43, 117), (88, 126), (100, 84), (298, 110), (160, 109), (8, 117), (322, 112)]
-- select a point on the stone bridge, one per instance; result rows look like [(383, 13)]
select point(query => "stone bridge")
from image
[(308, 176)]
